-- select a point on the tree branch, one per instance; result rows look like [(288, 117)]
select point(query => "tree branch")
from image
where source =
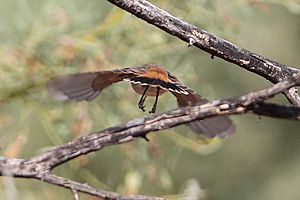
[(275, 110), (78, 187), (27, 169), (40, 167), (269, 69)]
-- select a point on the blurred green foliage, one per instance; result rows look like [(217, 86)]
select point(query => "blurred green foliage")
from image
[(40, 39)]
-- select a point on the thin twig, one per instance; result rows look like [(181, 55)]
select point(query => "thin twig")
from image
[(85, 188), (75, 193), (9, 186), (267, 68)]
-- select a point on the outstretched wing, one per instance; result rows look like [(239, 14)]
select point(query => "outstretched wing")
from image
[(220, 126), (85, 86)]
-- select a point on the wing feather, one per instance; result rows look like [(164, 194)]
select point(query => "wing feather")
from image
[(85, 86)]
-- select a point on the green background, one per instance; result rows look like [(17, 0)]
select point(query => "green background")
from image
[(40, 39)]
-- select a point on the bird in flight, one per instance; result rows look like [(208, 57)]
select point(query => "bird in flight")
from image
[(146, 80)]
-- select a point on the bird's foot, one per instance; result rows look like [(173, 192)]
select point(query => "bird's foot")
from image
[(153, 109), (142, 105)]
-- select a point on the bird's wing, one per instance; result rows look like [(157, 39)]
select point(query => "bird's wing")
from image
[(85, 86), (220, 126)]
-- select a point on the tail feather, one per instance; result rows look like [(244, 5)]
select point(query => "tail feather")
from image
[(220, 126)]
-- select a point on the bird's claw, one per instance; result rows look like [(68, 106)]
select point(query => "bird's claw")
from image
[(153, 110), (142, 106)]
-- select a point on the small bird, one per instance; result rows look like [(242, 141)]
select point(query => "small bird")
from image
[(146, 80)]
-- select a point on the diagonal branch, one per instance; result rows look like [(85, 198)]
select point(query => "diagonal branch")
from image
[(275, 110), (269, 69), (22, 168), (79, 187), (40, 167), (142, 126)]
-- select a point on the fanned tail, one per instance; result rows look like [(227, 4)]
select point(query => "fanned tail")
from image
[(220, 126)]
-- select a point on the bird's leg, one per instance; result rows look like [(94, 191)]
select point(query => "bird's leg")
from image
[(141, 103), (155, 103)]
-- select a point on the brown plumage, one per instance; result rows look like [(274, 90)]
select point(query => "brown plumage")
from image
[(147, 80)]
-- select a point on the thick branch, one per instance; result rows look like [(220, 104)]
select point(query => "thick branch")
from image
[(40, 167), (269, 69), (275, 110)]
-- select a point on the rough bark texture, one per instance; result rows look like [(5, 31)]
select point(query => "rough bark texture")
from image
[(40, 167), (269, 69)]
